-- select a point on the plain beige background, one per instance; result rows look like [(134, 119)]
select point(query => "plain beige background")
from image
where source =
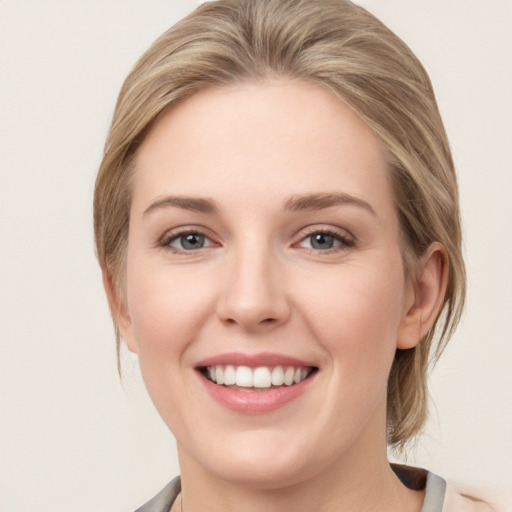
[(72, 437)]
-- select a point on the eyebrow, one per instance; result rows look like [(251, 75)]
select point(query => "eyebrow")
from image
[(196, 204), (318, 201), (325, 200)]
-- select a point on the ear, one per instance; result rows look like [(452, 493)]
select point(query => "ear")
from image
[(424, 298), (119, 310)]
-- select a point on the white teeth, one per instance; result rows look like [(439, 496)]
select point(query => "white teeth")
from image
[(229, 375), (278, 376), (260, 377), (288, 376), (244, 377), (219, 375)]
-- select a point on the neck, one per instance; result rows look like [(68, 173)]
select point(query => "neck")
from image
[(344, 485)]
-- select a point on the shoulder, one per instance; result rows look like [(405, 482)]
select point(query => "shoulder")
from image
[(443, 496), (462, 501)]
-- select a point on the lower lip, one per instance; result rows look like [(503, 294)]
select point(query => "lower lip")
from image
[(255, 402)]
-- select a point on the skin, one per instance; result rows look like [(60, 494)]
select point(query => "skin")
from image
[(260, 284)]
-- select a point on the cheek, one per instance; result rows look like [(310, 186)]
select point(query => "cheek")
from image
[(357, 317), (166, 309)]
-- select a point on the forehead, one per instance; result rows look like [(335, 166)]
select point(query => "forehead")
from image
[(275, 137)]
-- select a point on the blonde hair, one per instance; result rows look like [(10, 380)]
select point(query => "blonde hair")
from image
[(347, 50)]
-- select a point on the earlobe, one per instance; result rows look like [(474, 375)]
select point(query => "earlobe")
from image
[(424, 299), (119, 310)]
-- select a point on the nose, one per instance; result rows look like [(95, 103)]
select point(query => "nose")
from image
[(253, 292)]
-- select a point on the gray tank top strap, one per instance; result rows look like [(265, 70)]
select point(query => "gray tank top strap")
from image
[(163, 501), (434, 495)]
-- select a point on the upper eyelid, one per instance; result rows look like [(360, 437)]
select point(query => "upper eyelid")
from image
[(173, 234), (332, 230), (187, 229)]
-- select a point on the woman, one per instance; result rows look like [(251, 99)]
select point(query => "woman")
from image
[(277, 223)]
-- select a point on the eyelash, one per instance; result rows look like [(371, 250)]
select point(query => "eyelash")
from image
[(344, 241), (172, 236)]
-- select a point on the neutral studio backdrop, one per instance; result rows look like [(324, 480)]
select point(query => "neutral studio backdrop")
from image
[(72, 436)]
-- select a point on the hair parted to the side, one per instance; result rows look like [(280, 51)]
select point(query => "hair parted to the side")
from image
[(342, 47)]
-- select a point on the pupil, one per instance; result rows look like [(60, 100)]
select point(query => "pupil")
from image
[(192, 241), (321, 241)]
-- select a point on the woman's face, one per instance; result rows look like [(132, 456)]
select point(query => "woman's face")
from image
[(264, 253)]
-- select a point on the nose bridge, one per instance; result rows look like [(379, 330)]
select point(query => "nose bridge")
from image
[(253, 293)]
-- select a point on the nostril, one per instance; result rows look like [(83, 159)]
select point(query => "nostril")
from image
[(266, 321)]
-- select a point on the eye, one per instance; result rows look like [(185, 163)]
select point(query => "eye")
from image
[(322, 241), (186, 241), (325, 241)]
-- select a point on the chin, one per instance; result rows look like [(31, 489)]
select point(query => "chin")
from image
[(263, 474), (262, 460)]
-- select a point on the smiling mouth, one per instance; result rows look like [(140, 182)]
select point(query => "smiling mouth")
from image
[(261, 378)]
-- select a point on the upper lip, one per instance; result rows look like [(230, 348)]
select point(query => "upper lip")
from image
[(253, 360)]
